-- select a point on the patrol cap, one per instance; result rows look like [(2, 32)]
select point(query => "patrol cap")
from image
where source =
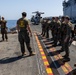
[(67, 17), (24, 13), (2, 17), (53, 17), (47, 18), (57, 17), (63, 17)]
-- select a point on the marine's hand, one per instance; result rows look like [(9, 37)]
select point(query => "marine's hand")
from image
[(30, 34)]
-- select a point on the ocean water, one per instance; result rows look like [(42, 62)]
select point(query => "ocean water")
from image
[(11, 24)]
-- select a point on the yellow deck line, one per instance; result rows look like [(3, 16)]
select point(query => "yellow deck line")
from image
[(66, 67), (46, 63)]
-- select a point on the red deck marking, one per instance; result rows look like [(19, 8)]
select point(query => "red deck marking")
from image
[(45, 61), (65, 67)]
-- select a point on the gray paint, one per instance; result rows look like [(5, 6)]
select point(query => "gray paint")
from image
[(69, 8)]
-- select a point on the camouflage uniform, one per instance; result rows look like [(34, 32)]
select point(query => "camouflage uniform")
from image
[(62, 34), (66, 36), (56, 32), (52, 27), (23, 35), (43, 27), (47, 28), (4, 30)]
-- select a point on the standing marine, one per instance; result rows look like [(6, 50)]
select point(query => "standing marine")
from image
[(66, 36), (4, 29), (43, 23), (57, 31), (52, 23), (47, 27), (62, 31), (23, 28)]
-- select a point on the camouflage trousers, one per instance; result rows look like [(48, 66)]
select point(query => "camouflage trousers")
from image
[(24, 38), (4, 34), (65, 46)]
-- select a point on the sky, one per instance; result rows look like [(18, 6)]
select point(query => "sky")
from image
[(12, 9)]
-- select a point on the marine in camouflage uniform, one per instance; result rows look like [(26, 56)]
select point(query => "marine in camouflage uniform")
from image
[(23, 34), (4, 29), (57, 31), (66, 36), (62, 31), (47, 27), (43, 23), (52, 26)]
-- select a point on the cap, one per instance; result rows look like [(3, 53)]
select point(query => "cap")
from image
[(67, 17), (2, 17), (53, 17), (24, 14)]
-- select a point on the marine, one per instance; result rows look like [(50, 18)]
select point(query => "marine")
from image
[(62, 31), (66, 37), (4, 29), (23, 34), (47, 27), (43, 23), (57, 31), (52, 26)]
